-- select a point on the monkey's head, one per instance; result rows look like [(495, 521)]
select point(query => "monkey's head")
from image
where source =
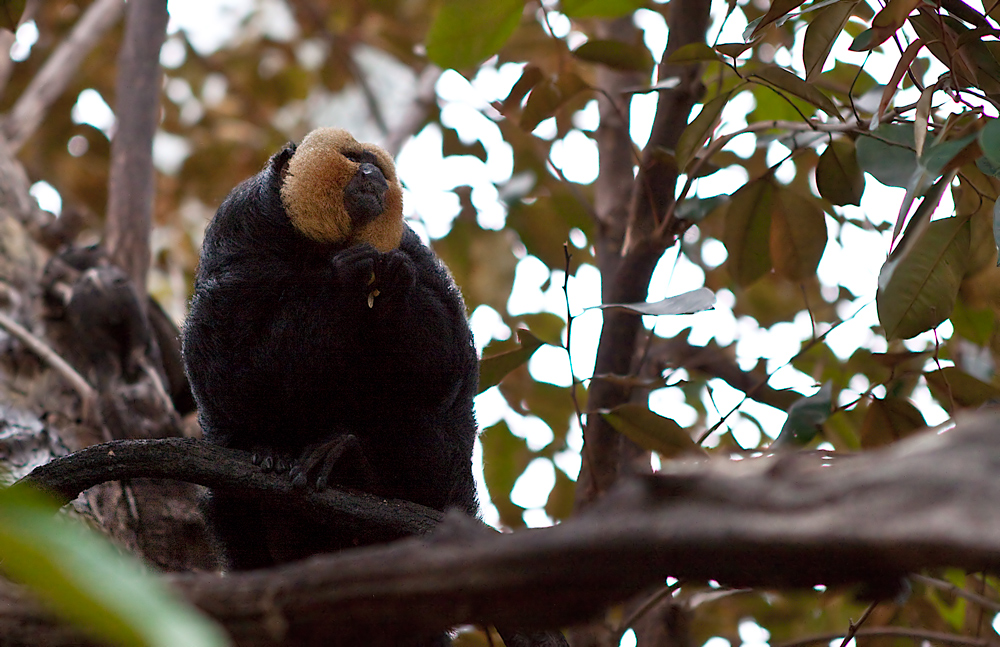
[(336, 190)]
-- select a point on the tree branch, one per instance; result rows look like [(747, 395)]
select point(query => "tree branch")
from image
[(51, 81), (137, 106), (792, 520)]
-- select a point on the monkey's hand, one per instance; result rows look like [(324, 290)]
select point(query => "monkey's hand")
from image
[(354, 269), (395, 278), (340, 461)]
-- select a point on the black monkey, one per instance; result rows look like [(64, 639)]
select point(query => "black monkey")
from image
[(327, 340)]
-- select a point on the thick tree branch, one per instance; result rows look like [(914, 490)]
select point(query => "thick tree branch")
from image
[(137, 107), (791, 520), (50, 82), (628, 279)]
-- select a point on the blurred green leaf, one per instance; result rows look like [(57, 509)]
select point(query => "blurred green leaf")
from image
[(888, 420), (599, 8), (748, 231), (86, 581), (804, 419), (693, 53), (10, 13), (889, 154), (798, 234), (505, 457), (777, 10), (616, 55), (493, 369), (651, 431), (548, 96), (955, 389), (466, 32)]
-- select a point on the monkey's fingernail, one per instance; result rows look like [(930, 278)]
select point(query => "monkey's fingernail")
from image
[(371, 298), (255, 458), (372, 279), (299, 481), (267, 464)]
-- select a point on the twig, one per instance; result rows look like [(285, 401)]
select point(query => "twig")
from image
[(852, 630), (902, 632), (954, 590), (50, 357), (644, 608), (569, 340), (50, 82)]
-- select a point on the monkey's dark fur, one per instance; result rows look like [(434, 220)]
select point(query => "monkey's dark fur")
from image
[(325, 338)]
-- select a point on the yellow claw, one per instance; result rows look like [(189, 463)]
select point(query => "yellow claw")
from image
[(371, 298)]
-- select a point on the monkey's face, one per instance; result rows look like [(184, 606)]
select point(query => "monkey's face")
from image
[(336, 190)]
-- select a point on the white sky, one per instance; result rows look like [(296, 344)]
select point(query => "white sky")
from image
[(852, 259)]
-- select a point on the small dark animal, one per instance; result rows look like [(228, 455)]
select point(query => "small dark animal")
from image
[(327, 340)]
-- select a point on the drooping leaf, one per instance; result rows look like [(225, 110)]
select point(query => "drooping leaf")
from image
[(682, 304), (821, 33), (839, 178), (785, 80), (699, 130), (599, 8), (86, 581), (804, 418), (902, 65), (917, 286), (748, 231), (884, 25), (889, 420), (798, 234), (450, 43), (615, 54), (650, 430), (493, 369)]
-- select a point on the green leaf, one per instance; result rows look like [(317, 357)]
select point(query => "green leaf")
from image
[(918, 284), (493, 369), (889, 420), (681, 304), (975, 325), (989, 141), (650, 430), (785, 80), (804, 418), (696, 209), (616, 55), (798, 234), (996, 227), (699, 130), (733, 50), (600, 8), (450, 40), (693, 53), (88, 582), (505, 457), (889, 155), (839, 178), (747, 231), (530, 77), (821, 33), (548, 96), (955, 389), (884, 25)]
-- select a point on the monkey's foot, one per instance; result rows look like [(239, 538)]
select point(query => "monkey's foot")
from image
[(342, 458), (270, 459)]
